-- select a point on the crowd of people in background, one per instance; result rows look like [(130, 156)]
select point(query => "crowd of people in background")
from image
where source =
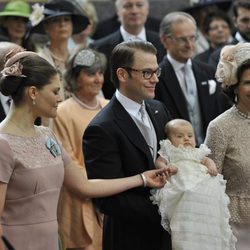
[(84, 99)]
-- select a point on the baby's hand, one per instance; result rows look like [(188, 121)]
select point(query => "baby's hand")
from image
[(212, 170), (211, 167), (172, 169)]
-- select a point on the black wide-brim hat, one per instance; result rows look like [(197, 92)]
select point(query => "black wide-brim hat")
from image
[(195, 6), (61, 8)]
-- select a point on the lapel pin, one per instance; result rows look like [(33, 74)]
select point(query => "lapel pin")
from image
[(53, 147)]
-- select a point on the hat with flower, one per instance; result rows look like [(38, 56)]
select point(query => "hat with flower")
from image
[(231, 57), (56, 8), (17, 8)]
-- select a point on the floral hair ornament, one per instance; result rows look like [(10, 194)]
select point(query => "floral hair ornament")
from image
[(13, 67), (231, 57), (13, 70), (84, 58), (37, 14)]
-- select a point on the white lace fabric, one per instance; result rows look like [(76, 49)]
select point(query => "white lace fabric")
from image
[(192, 204)]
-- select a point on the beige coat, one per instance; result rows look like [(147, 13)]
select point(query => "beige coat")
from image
[(77, 219)]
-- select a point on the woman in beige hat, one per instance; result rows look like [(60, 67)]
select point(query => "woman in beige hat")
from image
[(59, 20)]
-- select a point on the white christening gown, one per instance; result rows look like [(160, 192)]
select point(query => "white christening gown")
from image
[(193, 205)]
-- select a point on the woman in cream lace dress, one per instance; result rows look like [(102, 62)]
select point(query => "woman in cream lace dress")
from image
[(228, 137)]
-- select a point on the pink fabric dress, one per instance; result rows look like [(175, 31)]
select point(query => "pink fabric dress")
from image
[(34, 177)]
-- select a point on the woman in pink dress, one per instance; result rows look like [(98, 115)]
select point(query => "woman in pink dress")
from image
[(34, 166)]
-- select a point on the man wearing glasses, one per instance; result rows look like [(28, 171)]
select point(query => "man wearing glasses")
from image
[(133, 15), (123, 140), (186, 87)]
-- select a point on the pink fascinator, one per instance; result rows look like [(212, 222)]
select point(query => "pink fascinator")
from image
[(231, 57), (13, 70), (13, 67)]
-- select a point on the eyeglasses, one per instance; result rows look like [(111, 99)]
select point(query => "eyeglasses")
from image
[(146, 73), (184, 40)]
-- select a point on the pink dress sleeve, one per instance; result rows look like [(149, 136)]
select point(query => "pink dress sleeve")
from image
[(7, 162)]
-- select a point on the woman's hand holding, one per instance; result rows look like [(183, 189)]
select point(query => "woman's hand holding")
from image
[(157, 178)]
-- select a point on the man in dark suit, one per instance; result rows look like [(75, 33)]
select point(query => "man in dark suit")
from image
[(241, 18), (133, 15), (116, 144), (187, 88), (112, 24)]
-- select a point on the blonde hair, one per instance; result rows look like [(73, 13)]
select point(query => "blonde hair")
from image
[(89, 10), (171, 124)]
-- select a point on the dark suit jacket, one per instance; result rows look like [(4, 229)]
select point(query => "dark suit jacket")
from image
[(114, 148), (215, 56), (168, 91), (2, 113), (106, 45), (112, 24), (204, 56)]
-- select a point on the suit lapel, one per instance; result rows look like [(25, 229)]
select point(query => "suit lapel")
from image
[(202, 89), (153, 113), (116, 38), (2, 113), (173, 86), (129, 128)]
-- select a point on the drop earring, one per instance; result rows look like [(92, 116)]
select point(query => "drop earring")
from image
[(236, 98), (33, 101)]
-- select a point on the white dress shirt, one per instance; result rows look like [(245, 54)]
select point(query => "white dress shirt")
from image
[(127, 36), (5, 103)]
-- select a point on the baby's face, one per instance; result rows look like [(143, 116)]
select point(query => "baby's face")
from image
[(182, 135)]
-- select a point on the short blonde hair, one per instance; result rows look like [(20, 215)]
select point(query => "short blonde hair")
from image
[(171, 124)]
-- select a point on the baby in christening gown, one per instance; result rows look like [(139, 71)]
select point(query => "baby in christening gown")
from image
[(193, 204)]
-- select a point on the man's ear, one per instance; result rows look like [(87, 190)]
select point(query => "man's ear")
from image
[(122, 74), (164, 41)]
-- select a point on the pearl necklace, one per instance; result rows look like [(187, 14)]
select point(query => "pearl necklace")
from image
[(84, 105), (243, 115)]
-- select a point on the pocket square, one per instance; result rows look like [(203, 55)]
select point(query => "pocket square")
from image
[(212, 86)]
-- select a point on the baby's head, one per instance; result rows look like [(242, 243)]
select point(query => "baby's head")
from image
[(180, 132)]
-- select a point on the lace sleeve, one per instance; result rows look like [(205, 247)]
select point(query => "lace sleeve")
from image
[(216, 141), (165, 149), (204, 150)]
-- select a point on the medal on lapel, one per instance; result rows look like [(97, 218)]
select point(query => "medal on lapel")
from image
[(53, 147)]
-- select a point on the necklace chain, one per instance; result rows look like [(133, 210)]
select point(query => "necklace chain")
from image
[(24, 131), (242, 114), (62, 60), (84, 105)]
